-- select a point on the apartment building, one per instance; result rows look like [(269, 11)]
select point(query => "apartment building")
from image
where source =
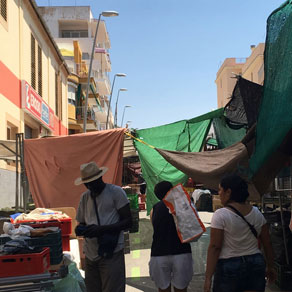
[(73, 29), (33, 87), (251, 68)]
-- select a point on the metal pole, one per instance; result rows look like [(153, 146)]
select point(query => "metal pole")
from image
[(17, 176), (116, 111), (89, 73), (123, 116), (109, 104), (283, 228)]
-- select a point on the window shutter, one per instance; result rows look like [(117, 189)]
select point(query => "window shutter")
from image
[(3, 9), (33, 63), (40, 70)]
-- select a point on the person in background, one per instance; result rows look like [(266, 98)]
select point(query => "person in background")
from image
[(171, 261), (103, 213), (234, 256)]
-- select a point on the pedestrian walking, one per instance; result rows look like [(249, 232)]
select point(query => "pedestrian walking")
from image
[(234, 256), (103, 213), (171, 261)]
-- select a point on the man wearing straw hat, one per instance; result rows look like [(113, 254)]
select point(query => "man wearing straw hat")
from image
[(103, 213)]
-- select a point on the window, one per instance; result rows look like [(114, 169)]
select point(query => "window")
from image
[(56, 95), (85, 56), (60, 98), (71, 94), (3, 9), (74, 34), (36, 64), (28, 133), (40, 75), (8, 133), (33, 63)]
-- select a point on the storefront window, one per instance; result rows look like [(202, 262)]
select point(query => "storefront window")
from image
[(28, 132)]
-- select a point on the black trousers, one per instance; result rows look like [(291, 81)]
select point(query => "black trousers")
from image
[(106, 275)]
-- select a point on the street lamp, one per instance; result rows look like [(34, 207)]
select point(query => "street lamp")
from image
[(116, 110), (110, 100), (105, 14), (128, 123), (124, 113)]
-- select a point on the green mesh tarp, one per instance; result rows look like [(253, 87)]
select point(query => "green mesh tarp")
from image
[(225, 135), (212, 142), (186, 136), (275, 118)]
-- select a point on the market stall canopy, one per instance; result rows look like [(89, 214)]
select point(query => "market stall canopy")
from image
[(129, 148), (52, 164), (186, 135), (275, 120), (209, 167), (244, 104), (8, 149)]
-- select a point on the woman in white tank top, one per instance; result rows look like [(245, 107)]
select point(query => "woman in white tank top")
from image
[(237, 229)]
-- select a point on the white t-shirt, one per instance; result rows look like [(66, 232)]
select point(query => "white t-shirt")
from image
[(238, 238), (111, 199)]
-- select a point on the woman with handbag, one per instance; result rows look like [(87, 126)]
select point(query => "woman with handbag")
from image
[(171, 262), (234, 256)]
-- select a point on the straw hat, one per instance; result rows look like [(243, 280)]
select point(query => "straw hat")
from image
[(90, 172)]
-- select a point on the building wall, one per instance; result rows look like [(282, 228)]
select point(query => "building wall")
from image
[(15, 65), (225, 80), (52, 15), (251, 68), (7, 184), (15, 68)]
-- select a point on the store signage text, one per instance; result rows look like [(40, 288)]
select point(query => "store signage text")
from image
[(34, 105)]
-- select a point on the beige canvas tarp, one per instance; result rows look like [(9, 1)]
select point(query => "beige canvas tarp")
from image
[(52, 164), (209, 167)]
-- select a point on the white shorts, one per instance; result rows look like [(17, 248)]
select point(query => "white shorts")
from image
[(176, 270)]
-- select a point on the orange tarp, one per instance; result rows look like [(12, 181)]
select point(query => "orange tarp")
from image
[(52, 164)]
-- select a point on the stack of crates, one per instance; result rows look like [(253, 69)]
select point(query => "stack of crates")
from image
[(284, 276), (24, 264), (51, 240), (134, 206), (64, 224), (127, 242)]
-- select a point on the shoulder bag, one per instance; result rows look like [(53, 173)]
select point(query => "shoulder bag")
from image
[(107, 241), (252, 229)]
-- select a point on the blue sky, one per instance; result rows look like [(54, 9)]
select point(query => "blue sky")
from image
[(171, 51)]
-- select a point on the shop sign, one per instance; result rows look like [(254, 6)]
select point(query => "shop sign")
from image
[(35, 106)]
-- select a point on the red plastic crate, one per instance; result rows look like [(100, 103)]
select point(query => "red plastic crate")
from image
[(66, 243), (25, 264), (64, 224), (142, 206)]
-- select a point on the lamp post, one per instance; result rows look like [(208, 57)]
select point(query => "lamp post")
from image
[(128, 123), (105, 14), (124, 113), (116, 110), (110, 100)]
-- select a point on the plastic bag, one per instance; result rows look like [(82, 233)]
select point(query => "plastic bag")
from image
[(73, 282), (188, 224), (22, 230)]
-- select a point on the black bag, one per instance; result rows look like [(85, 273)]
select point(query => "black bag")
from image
[(108, 241)]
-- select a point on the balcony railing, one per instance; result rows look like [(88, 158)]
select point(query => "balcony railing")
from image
[(80, 113)]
